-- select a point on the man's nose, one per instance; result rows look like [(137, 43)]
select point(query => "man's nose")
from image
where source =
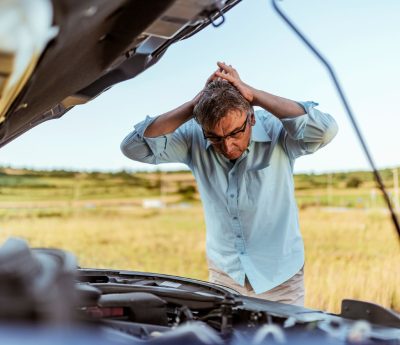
[(227, 144)]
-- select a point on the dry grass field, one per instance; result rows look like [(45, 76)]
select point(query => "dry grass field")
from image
[(350, 253)]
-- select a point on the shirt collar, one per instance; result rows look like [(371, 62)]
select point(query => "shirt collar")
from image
[(258, 133)]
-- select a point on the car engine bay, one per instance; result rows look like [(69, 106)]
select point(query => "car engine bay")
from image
[(44, 287)]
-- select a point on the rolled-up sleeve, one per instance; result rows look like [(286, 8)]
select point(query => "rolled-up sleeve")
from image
[(307, 133), (169, 148)]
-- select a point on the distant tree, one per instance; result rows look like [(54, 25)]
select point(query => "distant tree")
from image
[(125, 174), (353, 182), (188, 192)]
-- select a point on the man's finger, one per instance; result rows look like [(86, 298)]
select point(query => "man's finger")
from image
[(225, 76), (224, 66), (212, 77)]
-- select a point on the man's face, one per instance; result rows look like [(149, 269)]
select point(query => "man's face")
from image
[(231, 135)]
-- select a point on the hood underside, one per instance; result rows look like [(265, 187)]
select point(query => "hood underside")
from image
[(88, 47)]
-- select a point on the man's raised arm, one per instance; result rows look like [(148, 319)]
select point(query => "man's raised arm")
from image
[(278, 106), (170, 121), (306, 129), (162, 139)]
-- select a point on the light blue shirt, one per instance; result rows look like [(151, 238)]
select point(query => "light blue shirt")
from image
[(250, 209)]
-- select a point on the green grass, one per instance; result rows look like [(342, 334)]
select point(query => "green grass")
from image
[(352, 254), (311, 190), (351, 248)]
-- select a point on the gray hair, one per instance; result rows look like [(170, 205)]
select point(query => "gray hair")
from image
[(216, 100)]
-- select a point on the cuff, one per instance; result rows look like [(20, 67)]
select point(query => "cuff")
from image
[(156, 144), (295, 126)]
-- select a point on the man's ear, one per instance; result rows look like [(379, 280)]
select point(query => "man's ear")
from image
[(252, 119)]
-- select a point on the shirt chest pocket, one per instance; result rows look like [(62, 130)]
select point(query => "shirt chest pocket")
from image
[(257, 189)]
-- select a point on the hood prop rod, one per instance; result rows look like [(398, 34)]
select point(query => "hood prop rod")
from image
[(332, 74)]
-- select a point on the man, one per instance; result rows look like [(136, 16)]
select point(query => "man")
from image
[(243, 163)]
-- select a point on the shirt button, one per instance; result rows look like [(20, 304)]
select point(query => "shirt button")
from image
[(241, 253), (232, 195), (238, 236), (235, 218)]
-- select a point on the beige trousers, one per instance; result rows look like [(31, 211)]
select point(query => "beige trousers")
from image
[(290, 292)]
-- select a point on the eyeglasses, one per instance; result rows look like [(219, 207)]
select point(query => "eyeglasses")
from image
[(237, 134)]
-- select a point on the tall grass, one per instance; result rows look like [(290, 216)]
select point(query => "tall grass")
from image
[(352, 254)]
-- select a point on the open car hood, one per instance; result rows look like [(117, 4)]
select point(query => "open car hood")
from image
[(72, 51)]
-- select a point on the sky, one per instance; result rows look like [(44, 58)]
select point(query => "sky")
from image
[(361, 38)]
